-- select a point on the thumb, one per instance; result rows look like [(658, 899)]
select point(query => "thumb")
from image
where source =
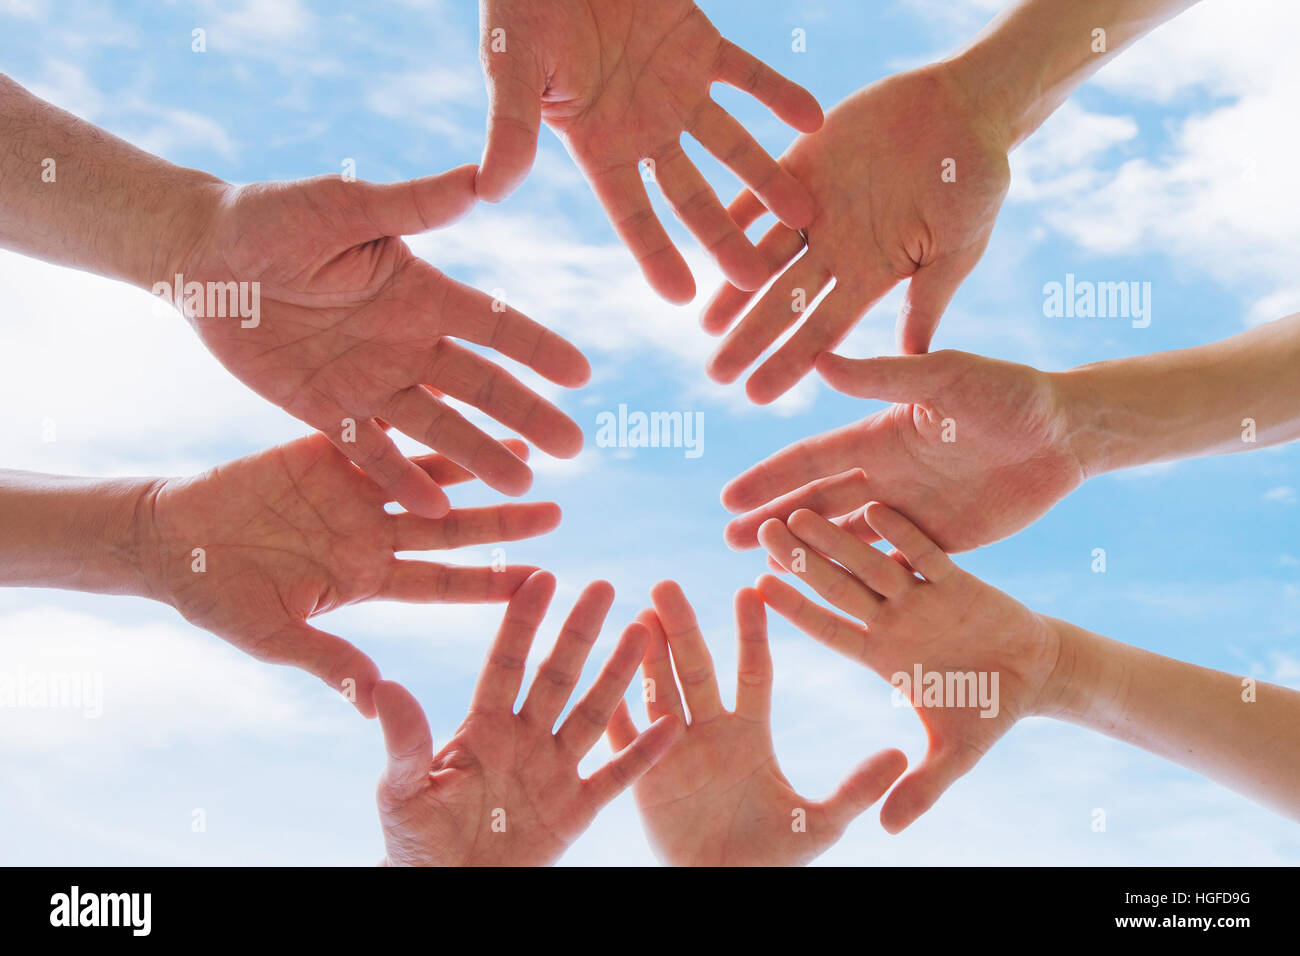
[(919, 790), (416, 205), (515, 89), (929, 291), (620, 730), (864, 786), (890, 378), (335, 661), (406, 736)]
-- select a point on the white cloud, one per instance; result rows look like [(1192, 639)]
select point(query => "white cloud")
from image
[(67, 87), (1283, 494), (1216, 197), (594, 295), (161, 683), (259, 21), (431, 98), (127, 391), (175, 130)]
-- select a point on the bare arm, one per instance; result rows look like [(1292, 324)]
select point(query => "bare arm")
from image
[(1236, 731), (1035, 53), (72, 194), (80, 534), (946, 623), (1233, 395)]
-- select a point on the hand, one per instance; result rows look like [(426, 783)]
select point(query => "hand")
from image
[(975, 450), (620, 81), (353, 326), (884, 214), (718, 797), (505, 790), (295, 531), (945, 623)]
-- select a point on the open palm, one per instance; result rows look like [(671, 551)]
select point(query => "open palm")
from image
[(878, 171), (974, 450), (355, 330), (718, 797), (505, 790), (254, 548), (620, 81), (945, 622)]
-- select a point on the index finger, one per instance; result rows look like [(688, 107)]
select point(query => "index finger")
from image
[(786, 98), (808, 459), (621, 192), (477, 317), (691, 658), (503, 671)]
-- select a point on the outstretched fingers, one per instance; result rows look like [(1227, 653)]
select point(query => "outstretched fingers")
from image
[(406, 739), (691, 658), (559, 673), (414, 206), (593, 712), (837, 632), (869, 565), (446, 472), (465, 375), (921, 789), (659, 688), (788, 100), (834, 496), (780, 307), (335, 661), (621, 192), (466, 313), (863, 787), (827, 578), (463, 527), (515, 87), (779, 245), (693, 202), (722, 135), (930, 561), (503, 671), (427, 582), (401, 479), (754, 659), (415, 411), (631, 762)]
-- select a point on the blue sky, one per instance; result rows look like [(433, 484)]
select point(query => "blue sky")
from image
[(1159, 170)]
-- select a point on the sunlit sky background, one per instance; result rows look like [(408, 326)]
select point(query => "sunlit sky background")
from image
[(1174, 166)]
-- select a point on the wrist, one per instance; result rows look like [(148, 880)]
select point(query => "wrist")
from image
[(186, 220), (77, 534), (1060, 693), (980, 97), (145, 541), (989, 93), (1089, 682), (1085, 433), (151, 550)]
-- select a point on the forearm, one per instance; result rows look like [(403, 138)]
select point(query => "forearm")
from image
[(1240, 733), (1034, 53), (79, 534), (1233, 395), (75, 195)]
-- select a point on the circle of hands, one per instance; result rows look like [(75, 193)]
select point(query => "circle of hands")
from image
[(358, 336)]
